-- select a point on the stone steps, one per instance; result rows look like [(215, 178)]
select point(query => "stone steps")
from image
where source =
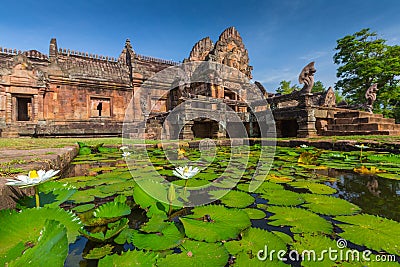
[(364, 127), (363, 120), (361, 123)]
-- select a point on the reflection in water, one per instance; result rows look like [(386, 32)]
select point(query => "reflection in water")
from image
[(375, 195)]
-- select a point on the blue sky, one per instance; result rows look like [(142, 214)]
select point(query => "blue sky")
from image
[(282, 36)]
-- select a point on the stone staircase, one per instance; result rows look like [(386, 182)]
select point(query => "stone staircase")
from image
[(362, 123), (18, 129)]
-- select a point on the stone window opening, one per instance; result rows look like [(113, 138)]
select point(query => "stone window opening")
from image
[(100, 107)]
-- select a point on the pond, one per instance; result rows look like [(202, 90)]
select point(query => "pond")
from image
[(310, 200)]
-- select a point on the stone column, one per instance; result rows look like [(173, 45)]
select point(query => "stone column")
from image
[(306, 122), (186, 131)]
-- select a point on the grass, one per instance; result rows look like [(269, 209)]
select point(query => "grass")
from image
[(36, 143)]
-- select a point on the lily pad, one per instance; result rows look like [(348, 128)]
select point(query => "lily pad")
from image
[(169, 237), (329, 205), (283, 197), (374, 232), (214, 223), (254, 240), (129, 259), (255, 214), (50, 249), (83, 208), (25, 226), (234, 198), (299, 220), (98, 253), (112, 210), (315, 188), (195, 253), (113, 229)]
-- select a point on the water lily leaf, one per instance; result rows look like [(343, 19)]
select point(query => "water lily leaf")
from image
[(374, 232), (129, 259), (308, 158), (25, 226), (255, 214), (392, 176), (195, 253), (300, 220), (50, 249), (365, 170), (215, 223), (169, 237), (282, 197), (112, 210), (306, 244), (244, 259), (328, 205), (124, 237), (51, 199), (83, 208), (145, 201), (278, 179), (155, 224), (234, 198), (102, 169), (98, 253), (253, 240), (315, 188), (116, 187), (113, 229)]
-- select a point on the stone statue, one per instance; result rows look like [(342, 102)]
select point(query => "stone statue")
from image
[(370, 95), (307, 77)]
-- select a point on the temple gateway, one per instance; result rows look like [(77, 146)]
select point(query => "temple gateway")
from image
[(71, 93)]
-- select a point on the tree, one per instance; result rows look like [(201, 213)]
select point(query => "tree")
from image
[(364, 59), (285, 88), (318, 87)]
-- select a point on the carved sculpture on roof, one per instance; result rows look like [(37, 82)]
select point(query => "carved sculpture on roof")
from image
[(306, 77), (201, 49), (230, 50), (329, 98), (370, 96)]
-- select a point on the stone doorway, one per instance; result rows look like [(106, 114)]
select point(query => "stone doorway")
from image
[(289, 128), (24, 108), (205, 129)]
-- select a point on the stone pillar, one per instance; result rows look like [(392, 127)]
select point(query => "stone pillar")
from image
[(186, 131), (306, 122), (9, 108), (3, 98), (40, 106)]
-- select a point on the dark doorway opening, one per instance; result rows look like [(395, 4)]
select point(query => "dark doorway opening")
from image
[(289, 128), (24, 108), (205, 129)]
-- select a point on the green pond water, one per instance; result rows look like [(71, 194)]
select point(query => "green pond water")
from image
[(309, 199)]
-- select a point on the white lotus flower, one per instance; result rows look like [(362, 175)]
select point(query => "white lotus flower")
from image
[(33, 178), (362, 146), (126, 154), (303, 146), (185, 172), (123, 148)]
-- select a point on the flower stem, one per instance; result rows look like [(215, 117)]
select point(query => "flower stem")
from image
[(184, 189), (170, 209), (37, 197)]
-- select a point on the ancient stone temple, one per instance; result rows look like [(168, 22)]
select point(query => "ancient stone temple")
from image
[(72, 93)]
